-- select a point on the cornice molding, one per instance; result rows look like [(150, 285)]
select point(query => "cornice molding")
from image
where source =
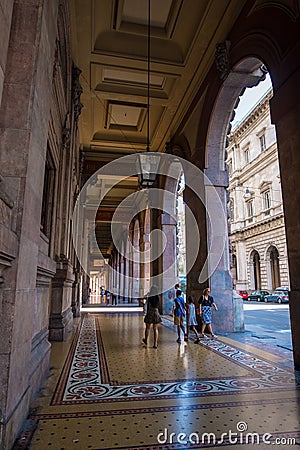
[(254, 115), (257, 228)]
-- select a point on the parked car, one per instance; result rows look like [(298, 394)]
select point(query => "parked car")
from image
[(282, 288), (258, 295), (236, 295), (243, 294), (279, 296)]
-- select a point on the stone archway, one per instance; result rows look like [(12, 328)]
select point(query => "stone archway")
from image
[(256, 270), (284, 112), (273, 269), (247, 73)]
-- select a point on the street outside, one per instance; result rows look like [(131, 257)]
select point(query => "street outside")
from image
[(269, 323)]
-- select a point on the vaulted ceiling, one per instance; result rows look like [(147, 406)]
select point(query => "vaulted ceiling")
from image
[(109, 45), (109, 39)]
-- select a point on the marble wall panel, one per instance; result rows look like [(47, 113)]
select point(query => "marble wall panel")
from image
[(6, 7), (13, 156), (7, 311)]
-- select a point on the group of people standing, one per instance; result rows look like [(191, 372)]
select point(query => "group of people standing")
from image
[(101, 297), (180, 311)]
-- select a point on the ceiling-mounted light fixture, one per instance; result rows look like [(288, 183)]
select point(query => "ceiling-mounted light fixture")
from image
[(148, 162)]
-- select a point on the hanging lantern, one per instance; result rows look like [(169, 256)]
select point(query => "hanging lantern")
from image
[(147, 168)]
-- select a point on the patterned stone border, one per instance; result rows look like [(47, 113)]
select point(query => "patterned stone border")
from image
[(85, 378)]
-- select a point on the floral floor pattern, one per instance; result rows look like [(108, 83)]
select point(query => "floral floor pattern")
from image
[(106, 390), (86, 377)]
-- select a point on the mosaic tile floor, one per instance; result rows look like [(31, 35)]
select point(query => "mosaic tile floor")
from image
[(106, 390)]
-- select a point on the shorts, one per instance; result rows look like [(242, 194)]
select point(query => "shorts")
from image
[(178, 320)]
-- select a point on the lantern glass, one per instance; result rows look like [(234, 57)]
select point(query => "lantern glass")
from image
[(148, 164)]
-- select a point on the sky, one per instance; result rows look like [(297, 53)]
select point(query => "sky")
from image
[(250, 97)]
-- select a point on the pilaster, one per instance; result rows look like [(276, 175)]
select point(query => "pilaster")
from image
[(61, 316)]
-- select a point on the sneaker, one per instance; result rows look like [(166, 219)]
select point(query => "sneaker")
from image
[(186, 338), (178, 340), (197, 341), (144, 341), (213, 336)]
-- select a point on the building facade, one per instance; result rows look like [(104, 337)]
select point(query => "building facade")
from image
[(259, 251)]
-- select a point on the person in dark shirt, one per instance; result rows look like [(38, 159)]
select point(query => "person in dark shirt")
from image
[(206, 302), (152, 316)]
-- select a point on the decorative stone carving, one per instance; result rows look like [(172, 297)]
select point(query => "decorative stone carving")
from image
[(177, 149), (254, 228), (5, 262), (44, 276), (81, 163), (76, 93), (222, 59), (61, 259), (66, 139), (56, 63), (169, 147), (8, 238)]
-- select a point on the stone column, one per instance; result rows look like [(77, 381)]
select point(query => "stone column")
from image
[(121, 280), (285, 112), (60, 322), (135, 280), (130, 285), (219, 267), (251, 274), (75, 294), (212, 261), (126, 280), (115, 274), (146, 264), (120, 272), (62, 318), (168, 262), (197, 208), (142, 267), (242, 276)]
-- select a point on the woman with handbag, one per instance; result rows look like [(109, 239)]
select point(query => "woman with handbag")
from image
[(152, 315), (206, 302)]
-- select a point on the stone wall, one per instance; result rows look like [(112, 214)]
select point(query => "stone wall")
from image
[(24, 120), (29, 260), (6, 9)]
